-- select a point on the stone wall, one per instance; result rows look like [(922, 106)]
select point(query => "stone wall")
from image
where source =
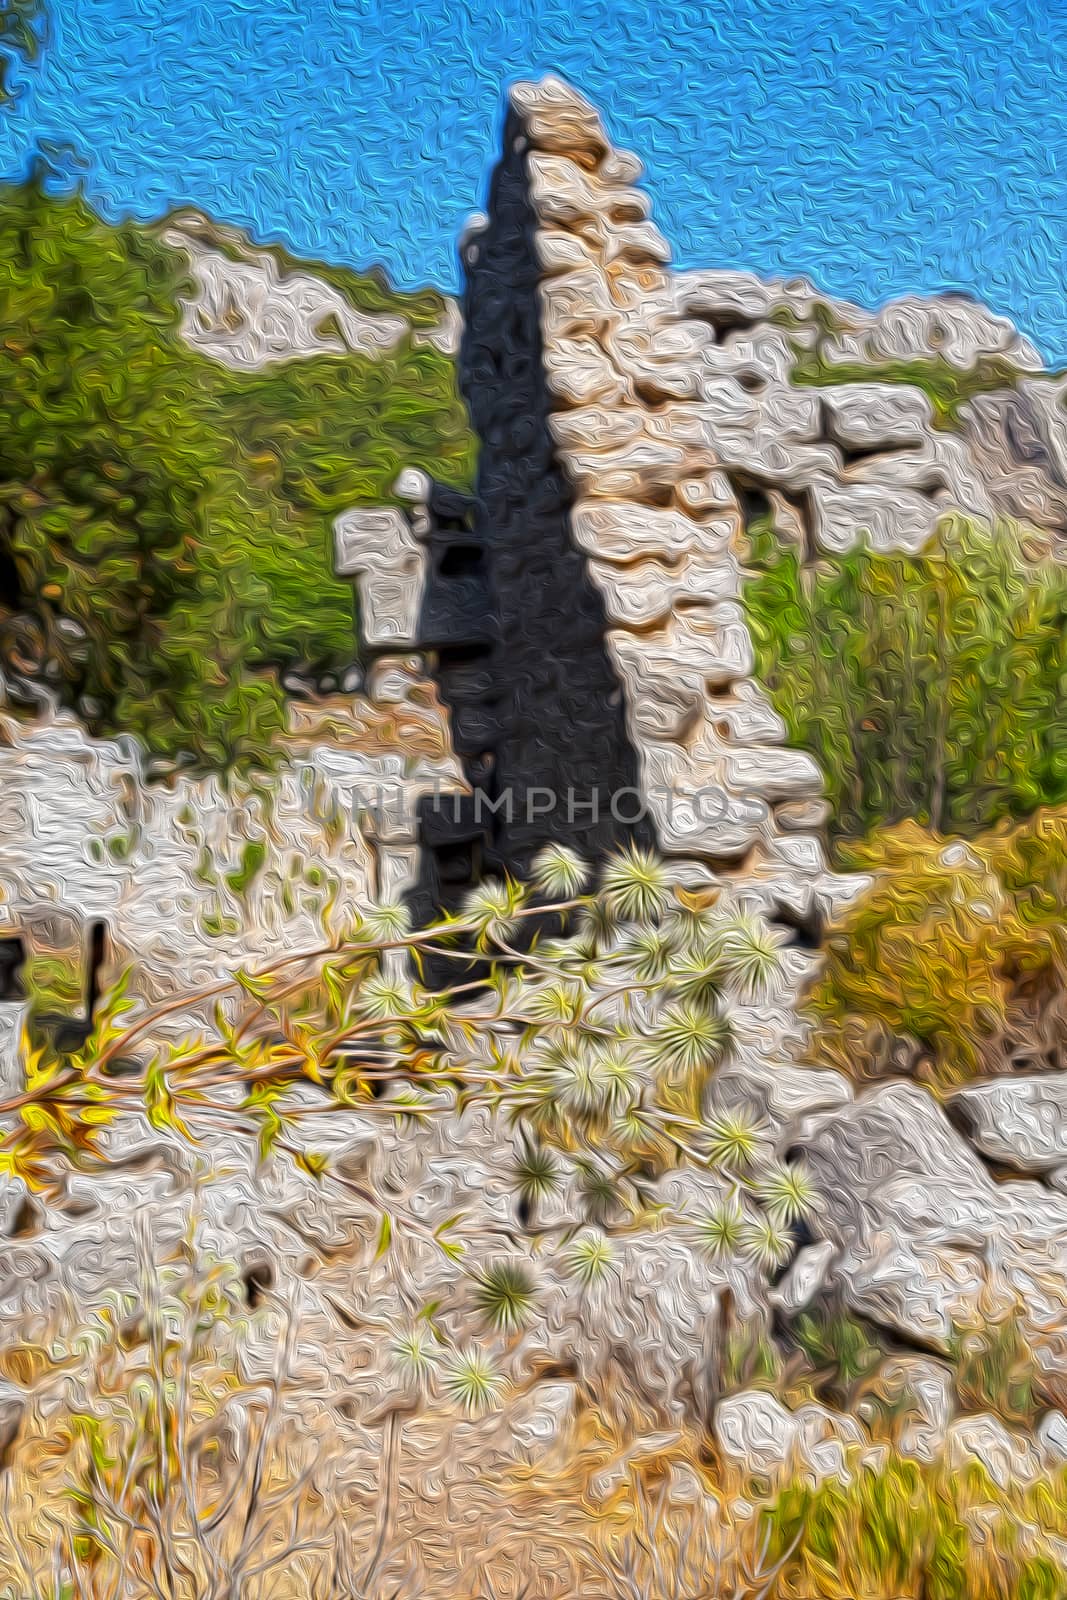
[(600, 653), (190, 880)]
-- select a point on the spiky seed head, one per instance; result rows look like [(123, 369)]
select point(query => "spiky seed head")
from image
[(473, 1380), (555, 1002), (768, 1244), (386, 921), (651, 950), (689, 1039), (384, 998), (537, 1173), (697, 976), (415, 1352), (734, 1139), (591, 1259), (491, 908), (722, 1230), (636, 886), (749, 953), (789, 1193), (599, 1190), (506, 1295), (559, 872)]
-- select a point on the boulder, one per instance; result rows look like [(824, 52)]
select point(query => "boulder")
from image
[(1007, 1457), (1019, 1122), (1051, 1438), (760, 1438), (805, 1278), (920, 1226), (915, 1395)]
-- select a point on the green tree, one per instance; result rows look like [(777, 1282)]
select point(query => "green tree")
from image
[(179, 515)]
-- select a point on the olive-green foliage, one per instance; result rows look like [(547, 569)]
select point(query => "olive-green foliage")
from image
[(946, 387), (839, 1348), (931, 686), (179, 512), (957, 947), (22, 24), (904, 1530)]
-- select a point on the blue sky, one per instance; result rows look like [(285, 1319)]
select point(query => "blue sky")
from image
[(879, 150)]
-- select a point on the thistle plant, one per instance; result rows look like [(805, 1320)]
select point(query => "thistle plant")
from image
[(591, 1023)]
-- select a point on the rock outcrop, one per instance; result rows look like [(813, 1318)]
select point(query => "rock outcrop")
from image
[(922, 1231), (251, 307)]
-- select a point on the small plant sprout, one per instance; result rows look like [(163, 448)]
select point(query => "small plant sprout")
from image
[(506, 1295), (415, 1353), (560, 873), (473, 1381), (591, 1259), (734, 1139), (722, 1230), (636, 886), (788, 1194)]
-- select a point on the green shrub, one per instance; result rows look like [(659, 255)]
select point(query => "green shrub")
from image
[(931, 686), (178, 512), (956, 947), (902, 1530)]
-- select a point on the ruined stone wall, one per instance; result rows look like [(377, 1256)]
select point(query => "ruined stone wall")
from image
[(191, 880), (620, 659)]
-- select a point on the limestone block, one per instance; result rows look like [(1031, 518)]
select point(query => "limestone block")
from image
[(1019, 1121), (745, 716), (1052, 1438), (627, 531), (738, 295), (802, 816), (1007, 1457), (637, 241), (379, 548), (709, 646), (663, 358), (560, 250), (806, 1276), (759, 1437), (562, 193), (641, 467), (867, 416), (645, 592), (889, 518), (13, 1015), (917, 1392), (559, 119), (773, 774), (919, 1221), (952, 328), (573, 302), (597, 427), (579, 372)]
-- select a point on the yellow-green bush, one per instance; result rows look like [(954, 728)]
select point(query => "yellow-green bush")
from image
[(909, 1531), (957, 947)]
